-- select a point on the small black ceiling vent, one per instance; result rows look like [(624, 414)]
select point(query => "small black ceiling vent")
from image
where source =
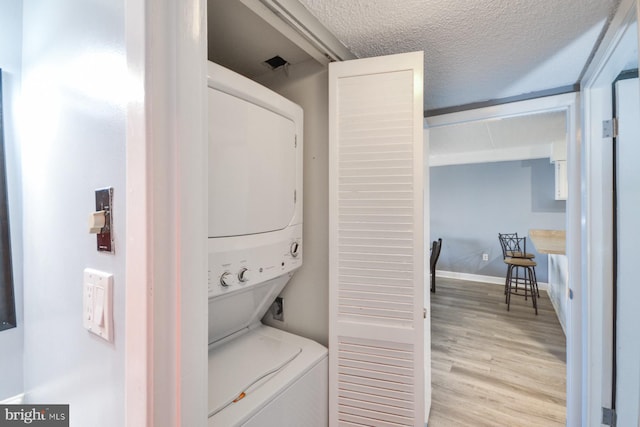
[(276, 62)]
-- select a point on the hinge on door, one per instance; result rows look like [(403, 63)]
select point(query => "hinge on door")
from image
[(609, 417), (610, 128), (295, 196), (295, 142)]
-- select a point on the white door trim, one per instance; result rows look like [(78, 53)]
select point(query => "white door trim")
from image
[(626, 213), (166, 296), (574, 312), (596, 300)]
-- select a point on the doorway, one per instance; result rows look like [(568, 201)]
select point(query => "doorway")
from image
[(625, 372), (600, 385), (508, 161)]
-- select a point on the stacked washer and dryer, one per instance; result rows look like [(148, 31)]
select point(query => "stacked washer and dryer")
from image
[(258, 375)]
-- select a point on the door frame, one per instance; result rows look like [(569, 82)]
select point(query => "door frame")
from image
[(166, 315), (569, 104), (616, 146), (165, 309), (597, 212)]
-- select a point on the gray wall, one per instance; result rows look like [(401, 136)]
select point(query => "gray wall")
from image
[(306, 309), (471, 204), (11, 340)]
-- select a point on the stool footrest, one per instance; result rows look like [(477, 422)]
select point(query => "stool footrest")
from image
[(528, 281)]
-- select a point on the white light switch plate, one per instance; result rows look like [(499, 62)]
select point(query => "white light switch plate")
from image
[(97, 303)]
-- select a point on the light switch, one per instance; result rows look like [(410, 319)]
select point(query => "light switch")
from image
[(98, 311), (101, 220), (97, 299), (97, 221)]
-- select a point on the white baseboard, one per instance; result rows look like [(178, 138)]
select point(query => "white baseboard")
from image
[(15, 400), (479, 278)]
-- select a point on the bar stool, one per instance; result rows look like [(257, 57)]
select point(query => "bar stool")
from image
[(510, 243), (528, 280), (516, 247)]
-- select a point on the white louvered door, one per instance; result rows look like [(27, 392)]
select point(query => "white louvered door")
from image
[(377, 345)]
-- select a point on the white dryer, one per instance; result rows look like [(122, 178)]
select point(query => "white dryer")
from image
[(258, 375)]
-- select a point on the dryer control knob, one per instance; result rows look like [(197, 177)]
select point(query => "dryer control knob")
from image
[(295, 249), (225, 279), (243, 274)]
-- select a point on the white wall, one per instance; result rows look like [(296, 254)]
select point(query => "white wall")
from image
[(11, 340), (306, 296), (73, 140)]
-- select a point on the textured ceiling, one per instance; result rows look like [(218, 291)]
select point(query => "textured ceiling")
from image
[(475, 50)]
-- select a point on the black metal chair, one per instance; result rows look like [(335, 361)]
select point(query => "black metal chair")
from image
[(436, 246)]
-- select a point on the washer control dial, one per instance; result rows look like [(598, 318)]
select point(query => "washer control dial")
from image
[(225, 279), (294, 249), (243, 275)]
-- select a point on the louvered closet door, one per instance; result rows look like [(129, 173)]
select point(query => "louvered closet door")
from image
[(376, 249)]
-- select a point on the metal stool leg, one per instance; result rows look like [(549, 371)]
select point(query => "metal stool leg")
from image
[(506, 281), (509, 277), (534, 287)]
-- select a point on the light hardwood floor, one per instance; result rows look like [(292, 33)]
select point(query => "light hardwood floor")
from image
[(493, 367)]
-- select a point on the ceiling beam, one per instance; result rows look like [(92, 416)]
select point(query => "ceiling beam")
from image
[(523, 97)]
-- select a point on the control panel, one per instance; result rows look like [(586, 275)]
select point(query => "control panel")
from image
[(251, 261)]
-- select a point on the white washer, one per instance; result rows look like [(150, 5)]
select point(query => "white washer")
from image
[(293, 396), (258, 376)]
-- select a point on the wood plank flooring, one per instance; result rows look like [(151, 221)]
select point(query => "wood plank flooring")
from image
[(493, 367)]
